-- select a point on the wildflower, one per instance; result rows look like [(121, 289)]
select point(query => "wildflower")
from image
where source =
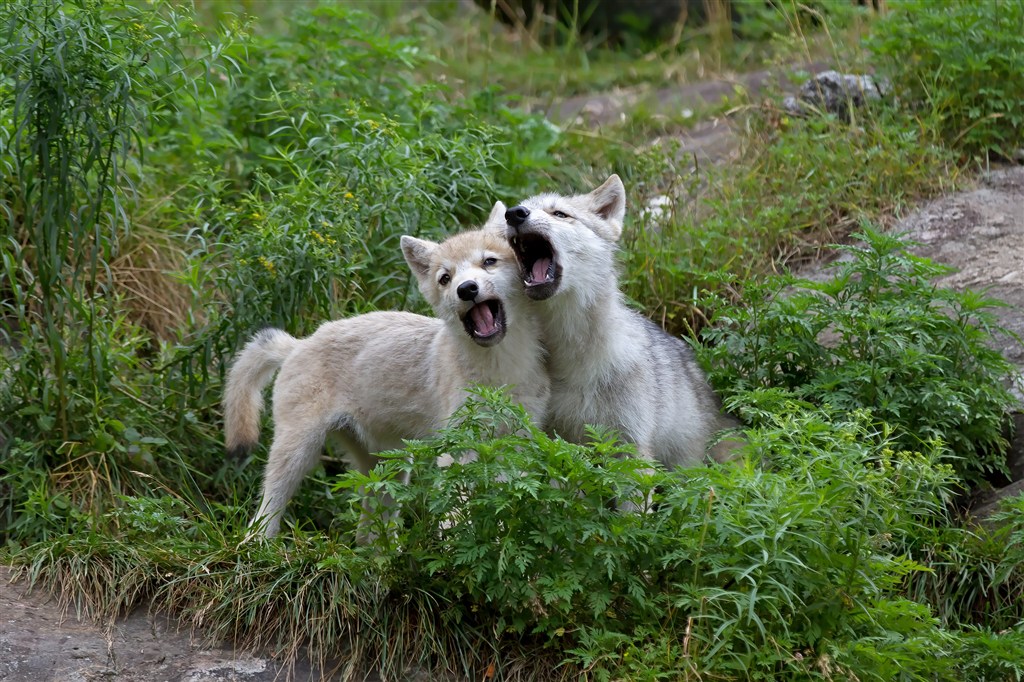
[(267, 265), (323, 239)]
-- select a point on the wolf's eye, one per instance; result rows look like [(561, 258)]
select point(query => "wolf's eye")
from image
[(489, 261), (444, 279), (559, 214)]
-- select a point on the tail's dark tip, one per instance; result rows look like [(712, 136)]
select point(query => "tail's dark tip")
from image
[(239, 452)]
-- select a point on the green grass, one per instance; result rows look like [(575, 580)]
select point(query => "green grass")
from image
[(728, 223), (543, 63), (800, 547), (273, 187), (964, 62)]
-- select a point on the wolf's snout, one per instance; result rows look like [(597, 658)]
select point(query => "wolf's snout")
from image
[(517, 215), (467, 291)]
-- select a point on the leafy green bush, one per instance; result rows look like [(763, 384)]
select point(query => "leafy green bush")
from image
[(877, 335), (738, 569), (323, 149), (962, 62), (784, 565), (268, 179)]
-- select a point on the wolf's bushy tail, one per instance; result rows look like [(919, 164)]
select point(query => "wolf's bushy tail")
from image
[(250, 373)]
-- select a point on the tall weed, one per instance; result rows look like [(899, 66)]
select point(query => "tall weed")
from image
[(323, 151), (81, 83), (963, 63)]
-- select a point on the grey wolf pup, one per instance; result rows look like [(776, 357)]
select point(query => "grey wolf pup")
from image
[(374, 380), (608, 364)]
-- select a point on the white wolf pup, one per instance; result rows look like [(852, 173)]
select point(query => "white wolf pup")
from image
[(377, 379), (609, 365)]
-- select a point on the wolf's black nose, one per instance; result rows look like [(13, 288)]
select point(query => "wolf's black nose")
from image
[(517, 215), (467, 291)]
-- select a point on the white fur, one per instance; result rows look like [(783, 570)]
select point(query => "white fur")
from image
[(608, 364), (375, 380)]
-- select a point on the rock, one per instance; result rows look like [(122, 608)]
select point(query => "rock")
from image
[(980, 233), (835, 93), (990, 503), (657, 207), (39, 640)]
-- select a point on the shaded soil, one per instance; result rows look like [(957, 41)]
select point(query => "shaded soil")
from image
[(39, 642)]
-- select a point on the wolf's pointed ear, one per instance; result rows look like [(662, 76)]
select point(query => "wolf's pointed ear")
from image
[(417, 254), (496, 221), (609, 202)]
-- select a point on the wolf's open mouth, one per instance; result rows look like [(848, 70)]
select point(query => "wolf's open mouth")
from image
[(540, 266), (485, 322)]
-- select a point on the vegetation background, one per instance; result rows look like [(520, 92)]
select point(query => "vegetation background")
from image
[(172, 178)]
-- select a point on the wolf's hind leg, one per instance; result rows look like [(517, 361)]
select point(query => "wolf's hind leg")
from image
[(293, 455)]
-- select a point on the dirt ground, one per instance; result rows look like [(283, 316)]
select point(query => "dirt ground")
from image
[(980, 232), (39, 643)]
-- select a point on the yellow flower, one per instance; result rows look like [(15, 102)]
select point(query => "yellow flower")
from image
[(267, 265), (323, 239)]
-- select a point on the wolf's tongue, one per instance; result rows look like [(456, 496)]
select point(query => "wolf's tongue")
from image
[(483, 319), (540, 270)]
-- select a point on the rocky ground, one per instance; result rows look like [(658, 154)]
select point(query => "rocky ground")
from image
[(39, 642), (980, 232)]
